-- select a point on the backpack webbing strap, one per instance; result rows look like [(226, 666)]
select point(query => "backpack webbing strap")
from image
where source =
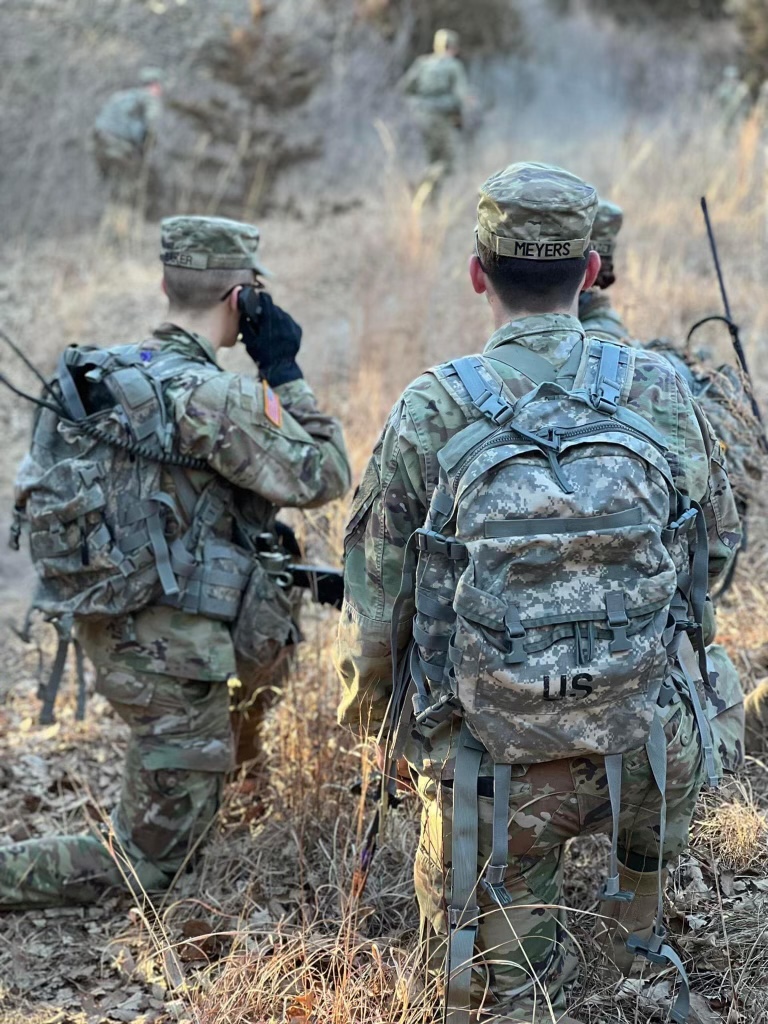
[(566, 375), (611, 889), (159, 544), (47, 692), (493, 880), (481, 390), (691, 669), (606, 388), (533, 366), (463, 909), (82, 693), (69, 391), (655, 949)]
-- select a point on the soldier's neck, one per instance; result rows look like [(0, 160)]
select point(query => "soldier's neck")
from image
[(502, 315), (211, 324)]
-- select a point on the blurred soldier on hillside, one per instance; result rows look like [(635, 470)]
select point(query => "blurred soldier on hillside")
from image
[(178, 580), (436, 85), (123, 130), (732, 97), (480, 542), (595, 310)]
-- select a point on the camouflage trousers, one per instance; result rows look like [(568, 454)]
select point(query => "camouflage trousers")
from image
[(440, 137), (183, 741), (521, 953)]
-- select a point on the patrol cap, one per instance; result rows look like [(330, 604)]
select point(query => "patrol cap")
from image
[(535, 211), (149, 75), (608, 221), (210, 243), (445, 38)]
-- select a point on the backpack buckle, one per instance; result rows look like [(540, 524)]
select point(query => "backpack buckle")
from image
[(516, 655), (611, 890), (649, 948), (618, 621), (495, 408)]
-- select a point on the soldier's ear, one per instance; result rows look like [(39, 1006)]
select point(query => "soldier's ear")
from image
[(163, 287), (593, 269), (477, 275), (234, 295)]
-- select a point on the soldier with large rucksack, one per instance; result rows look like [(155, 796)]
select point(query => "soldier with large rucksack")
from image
[(150, 494), (527, 564)]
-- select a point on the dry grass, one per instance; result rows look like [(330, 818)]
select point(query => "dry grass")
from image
[(736, 831)]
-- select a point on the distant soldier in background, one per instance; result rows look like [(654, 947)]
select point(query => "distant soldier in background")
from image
[(123, 130), (436, 84), (732, 97), (596, 313)]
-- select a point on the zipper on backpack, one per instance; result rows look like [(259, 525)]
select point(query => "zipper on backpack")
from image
[(548, 448)]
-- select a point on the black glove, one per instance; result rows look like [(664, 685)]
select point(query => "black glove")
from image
[(272, 337)]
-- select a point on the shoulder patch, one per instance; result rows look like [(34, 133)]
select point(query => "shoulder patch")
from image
[(272, 408)]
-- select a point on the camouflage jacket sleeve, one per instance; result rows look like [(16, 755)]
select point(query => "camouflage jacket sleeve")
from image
[(408, 83), (278, 446), (391, 502), (718, 503), (698, 462)]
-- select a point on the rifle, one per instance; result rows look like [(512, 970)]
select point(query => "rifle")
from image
[(325, 583), (733, 328), (386, 790)]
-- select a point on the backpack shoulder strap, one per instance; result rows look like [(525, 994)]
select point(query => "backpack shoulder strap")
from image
[(482, 391), (533, 366), (605, 390)]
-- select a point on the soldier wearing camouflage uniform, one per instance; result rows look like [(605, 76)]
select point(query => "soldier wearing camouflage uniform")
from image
[(436, 85), (532, 260), (123, 129), (721, 395), (596, 313), (259, 443)]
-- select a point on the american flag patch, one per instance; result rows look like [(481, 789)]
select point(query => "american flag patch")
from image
[(272, 408)]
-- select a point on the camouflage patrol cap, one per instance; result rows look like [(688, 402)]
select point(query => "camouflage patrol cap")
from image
[(149, 75), (535, 211), (210, 243), (608, 221), (445, 38)]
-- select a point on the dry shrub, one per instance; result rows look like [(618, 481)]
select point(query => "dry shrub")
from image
[(303, 978), (752, 19), (736, 831)]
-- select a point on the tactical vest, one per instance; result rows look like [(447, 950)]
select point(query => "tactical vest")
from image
[(560, 579)]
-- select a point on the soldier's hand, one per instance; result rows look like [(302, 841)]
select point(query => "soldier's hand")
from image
[(272, 337)]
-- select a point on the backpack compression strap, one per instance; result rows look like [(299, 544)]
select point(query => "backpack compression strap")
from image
[(655, 949)]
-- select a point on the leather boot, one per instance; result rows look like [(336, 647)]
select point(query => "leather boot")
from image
[(620, 920)]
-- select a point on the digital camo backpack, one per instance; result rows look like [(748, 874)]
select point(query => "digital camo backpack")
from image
[(558, 573), (105, 538)]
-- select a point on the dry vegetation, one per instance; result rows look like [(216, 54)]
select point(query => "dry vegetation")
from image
[(265, 928)]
